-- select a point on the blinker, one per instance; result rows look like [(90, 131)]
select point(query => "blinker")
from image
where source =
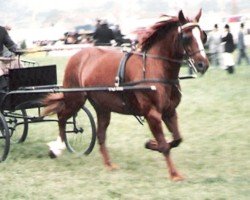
[(204, 38), (185, 39)]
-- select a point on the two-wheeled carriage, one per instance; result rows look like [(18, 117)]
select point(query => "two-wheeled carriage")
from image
[(24, 89)]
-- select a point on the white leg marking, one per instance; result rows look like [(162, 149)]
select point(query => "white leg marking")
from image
[(57, 146)]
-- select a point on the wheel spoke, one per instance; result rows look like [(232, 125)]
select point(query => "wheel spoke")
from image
[(82, 139)]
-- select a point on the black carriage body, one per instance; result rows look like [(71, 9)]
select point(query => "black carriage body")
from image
[(27, 77), (25, 89)]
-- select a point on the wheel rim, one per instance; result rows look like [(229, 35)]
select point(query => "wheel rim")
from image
[(18, 125), (4, 139), (80, 139)]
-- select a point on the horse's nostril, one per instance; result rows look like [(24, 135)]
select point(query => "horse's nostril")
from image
[(200, 65)]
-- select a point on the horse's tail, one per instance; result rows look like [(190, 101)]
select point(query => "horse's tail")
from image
[(53, 103)]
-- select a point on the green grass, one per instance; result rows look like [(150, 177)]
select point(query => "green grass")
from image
[(215, 122)]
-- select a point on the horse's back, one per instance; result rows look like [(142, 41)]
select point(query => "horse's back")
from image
[(92, 67)]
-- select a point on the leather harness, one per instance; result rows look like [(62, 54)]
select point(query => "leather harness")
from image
[(120, 81), (120, 77)]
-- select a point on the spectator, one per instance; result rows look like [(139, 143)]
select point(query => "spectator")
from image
[(214, 40), (241, 46), (103, 35), (6, 41), (6, 45), (98, 22), (228, 50), (118, 35)]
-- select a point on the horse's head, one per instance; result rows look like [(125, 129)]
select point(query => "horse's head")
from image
[(193, 39)]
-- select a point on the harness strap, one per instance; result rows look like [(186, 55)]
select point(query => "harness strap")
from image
[(144, 56), (187, 26), (163, 81), (119, 79), (159, 57)]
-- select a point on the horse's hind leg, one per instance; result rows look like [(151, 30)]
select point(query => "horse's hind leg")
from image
[(103, 120), (72, 104), (154, 120)]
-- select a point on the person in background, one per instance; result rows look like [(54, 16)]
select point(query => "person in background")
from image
[(229, 48), (98, 22), (214, 40), (6, 41), (118, 35), (103, 34), (242, 46), (8, 49)]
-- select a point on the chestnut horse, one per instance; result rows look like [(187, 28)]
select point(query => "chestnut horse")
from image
[(162, 51)]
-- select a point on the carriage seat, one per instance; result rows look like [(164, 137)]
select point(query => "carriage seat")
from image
[(20, 78), (32, 76)]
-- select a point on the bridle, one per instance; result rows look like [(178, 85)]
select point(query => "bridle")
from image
[(181, 32), (187, 55)]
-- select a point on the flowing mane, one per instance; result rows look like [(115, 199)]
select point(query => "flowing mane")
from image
[(157, 31)]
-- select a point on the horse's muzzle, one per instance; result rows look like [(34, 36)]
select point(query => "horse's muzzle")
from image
[(201, 67)]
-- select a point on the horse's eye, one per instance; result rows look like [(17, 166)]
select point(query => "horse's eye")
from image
[(186, 39)]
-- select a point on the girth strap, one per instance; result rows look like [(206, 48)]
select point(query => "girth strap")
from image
[(120, 77)]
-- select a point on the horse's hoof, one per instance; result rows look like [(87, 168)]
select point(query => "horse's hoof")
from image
[(112, 167), (175, 143), (51, 154), (151, 144), (147, 145), (176, 177)]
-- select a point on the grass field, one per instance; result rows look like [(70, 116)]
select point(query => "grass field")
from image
[(215, 122)]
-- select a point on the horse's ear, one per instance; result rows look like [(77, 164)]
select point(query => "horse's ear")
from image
[(198, 16), (181, 17)]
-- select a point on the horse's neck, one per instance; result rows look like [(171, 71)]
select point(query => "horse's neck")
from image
[(171, 57)]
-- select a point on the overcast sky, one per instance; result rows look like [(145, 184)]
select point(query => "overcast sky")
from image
[(14, 11), (24, 14), (45, 5)]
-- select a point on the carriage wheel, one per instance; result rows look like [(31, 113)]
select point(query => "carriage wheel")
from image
[(18, 125), (82, 135), (4, 138)]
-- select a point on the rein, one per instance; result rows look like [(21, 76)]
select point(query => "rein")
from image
[(187, 60), (158, 57), (163, 81), (120, 80)]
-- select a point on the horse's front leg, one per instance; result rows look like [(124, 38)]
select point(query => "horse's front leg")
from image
[(172, 124), (159, 144), (154, 120), (171, 121)]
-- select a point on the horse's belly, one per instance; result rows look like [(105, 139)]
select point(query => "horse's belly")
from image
[(109, 101)]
